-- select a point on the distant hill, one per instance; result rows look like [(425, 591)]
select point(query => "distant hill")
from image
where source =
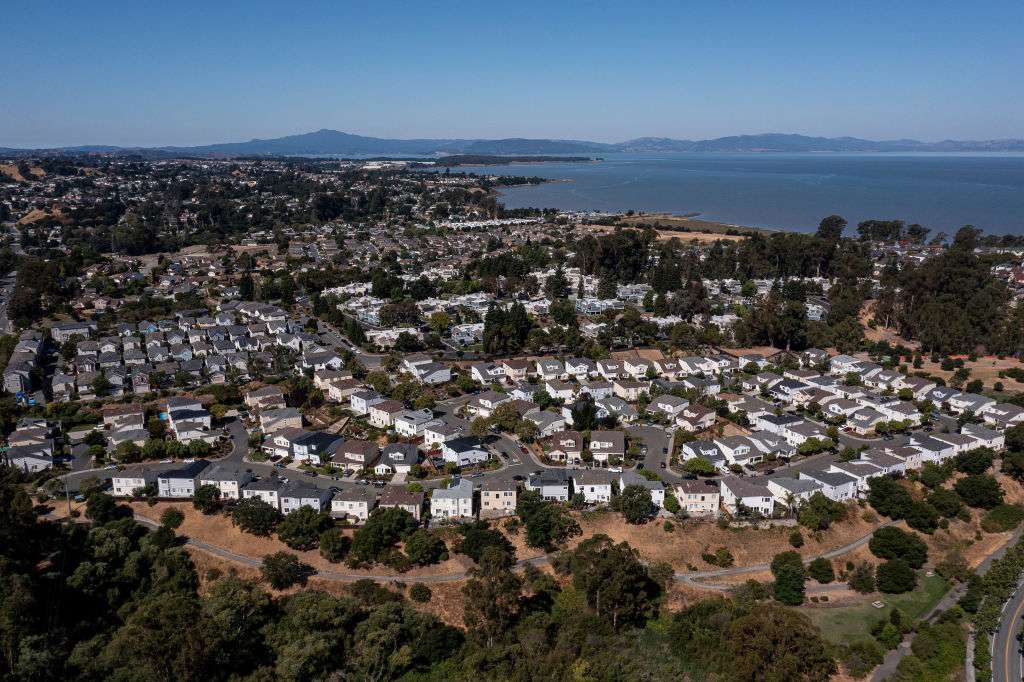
[(336, 143)]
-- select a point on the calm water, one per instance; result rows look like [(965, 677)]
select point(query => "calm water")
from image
[(790, 191)]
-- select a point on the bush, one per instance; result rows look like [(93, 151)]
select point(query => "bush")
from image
[(1003, 518), (888, 497), (334, 545), (946, 502), (282, 570), (975, 461), (721, 557), (980, 491), (923, 517), (892, 543), (862, 578), (895, 577), (420, 593), (796, 538), (821, 570), (172, 518)]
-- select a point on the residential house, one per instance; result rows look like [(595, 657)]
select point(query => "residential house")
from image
[(554, 485), (698, 498), (453, 502), (354, 504), (125, 483), (281, 418), (397, 458), (594, 484), (398, 497), (565, 446), (607, 445), (835, 485), (656, 488), (498, 496), (464, 451), (181, 482), (746, 494)]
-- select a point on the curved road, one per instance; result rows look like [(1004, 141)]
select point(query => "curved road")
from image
[(1006, 647)]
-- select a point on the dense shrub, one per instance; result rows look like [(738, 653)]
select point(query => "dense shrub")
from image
[(895, 577), (1002, 518), (892, 543)]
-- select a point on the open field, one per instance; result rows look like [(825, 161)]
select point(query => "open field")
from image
[(683, 224), (848, 623)]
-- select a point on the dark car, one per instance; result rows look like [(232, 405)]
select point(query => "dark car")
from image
[(663, 465)]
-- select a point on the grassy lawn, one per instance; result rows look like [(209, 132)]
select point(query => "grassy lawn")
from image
[(845, 624)]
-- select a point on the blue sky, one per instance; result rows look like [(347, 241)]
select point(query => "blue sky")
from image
[(149, 73)]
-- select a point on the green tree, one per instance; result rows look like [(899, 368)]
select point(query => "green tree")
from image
[(281, 570), (893, 543), (172, 518), (617, 585), (895, 577), (301, 528), (979, 491), (634, 502), (493, 597), (821, 570), (773, 643), (207, 499), (382, 530), (547, 524), (788, 569), (424, 547), (334, 545), (255, 516), (478, 536)]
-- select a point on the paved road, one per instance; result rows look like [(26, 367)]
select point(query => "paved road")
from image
[(1006, 646), (893, 658)]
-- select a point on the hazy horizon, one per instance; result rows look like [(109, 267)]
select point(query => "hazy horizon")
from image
[(192, 74)]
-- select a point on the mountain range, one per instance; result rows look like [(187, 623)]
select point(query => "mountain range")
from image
[(339, 144)]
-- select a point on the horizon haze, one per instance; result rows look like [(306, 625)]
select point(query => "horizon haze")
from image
[(124, 75)]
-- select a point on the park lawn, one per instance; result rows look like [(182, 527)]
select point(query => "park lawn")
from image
[(845, 624)]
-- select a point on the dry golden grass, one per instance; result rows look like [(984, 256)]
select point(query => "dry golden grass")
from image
[(749, 546), (36, 214), (217, 530)]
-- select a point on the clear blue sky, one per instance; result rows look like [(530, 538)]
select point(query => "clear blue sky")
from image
[(155, 73)]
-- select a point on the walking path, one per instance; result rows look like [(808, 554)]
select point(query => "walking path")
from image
[(685, 578)]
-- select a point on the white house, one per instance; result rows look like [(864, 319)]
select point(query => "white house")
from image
[(453, 502), (740, 492)]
